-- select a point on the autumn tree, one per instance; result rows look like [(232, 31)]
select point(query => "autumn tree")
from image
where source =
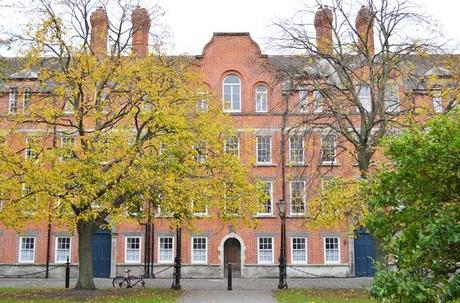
[(415, 210), (354, 67), (109, 131)]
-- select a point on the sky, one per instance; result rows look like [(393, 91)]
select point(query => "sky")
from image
[(192, 22)]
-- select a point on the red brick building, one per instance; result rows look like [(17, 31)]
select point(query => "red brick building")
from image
[(235, 70)]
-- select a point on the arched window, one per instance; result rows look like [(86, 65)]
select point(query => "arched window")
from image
[(261, 99), (232, 94)]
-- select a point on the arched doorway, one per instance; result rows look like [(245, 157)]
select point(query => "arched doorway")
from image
[(232, 254)]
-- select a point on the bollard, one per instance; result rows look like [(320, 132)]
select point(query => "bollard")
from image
[(229, 276), (67, 273)]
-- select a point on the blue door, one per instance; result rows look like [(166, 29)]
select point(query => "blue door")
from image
[(102, 251), (364, 254)]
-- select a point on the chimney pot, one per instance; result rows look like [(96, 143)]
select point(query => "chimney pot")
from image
[(323, 26), (141, 22), (365, 29), (99, 31)]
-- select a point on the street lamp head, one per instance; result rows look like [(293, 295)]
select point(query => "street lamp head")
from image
[(281, 207)]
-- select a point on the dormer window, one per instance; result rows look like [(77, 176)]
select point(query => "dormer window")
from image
[(261, 99), (232, 94)]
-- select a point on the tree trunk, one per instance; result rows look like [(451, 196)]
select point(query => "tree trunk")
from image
[(363, 159), (85, 255)]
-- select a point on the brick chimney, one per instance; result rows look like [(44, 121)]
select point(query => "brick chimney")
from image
[(323, 26), (365, 28), (140, 20), (99, 31)]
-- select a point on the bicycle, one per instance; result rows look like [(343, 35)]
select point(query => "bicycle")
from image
[(125, 282)]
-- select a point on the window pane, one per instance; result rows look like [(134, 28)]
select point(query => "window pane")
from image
[(331, 250), (303, 98), (232, 93), (265, 250), (328, 149), (299, 251), (263, 150), (232, 146), (364, 96), (267, 207), (296, 149), (166, 249), (62, 249), (133, 249), (261, 99), (199, 250), (27, 250), (297, 197)]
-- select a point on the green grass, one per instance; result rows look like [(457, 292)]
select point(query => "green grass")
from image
[(16, 295), (321, 296)]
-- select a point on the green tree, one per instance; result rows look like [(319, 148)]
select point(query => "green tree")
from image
[(108, 133), (414, 208)]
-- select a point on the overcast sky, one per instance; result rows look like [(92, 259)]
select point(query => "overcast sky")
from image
[(192, 22)]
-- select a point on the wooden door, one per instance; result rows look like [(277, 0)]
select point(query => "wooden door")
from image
[(102, 253), (232, 254)]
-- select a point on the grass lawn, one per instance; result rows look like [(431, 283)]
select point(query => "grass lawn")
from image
[(15, 295), (321, 296)]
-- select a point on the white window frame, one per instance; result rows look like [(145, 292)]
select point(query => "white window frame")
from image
[(69, 109), (26, 96), (271, 200), (70, 137), (390, 100), (272, 250), (437, 101), (323, 137), (56, 249), (291, 160), (20, 260), (193, 261), (13, 100), (269, 162), (261, 96), (304, 198), (318, 102), (28, 150), (160, 261), (126, 250), (305, 261), (232, 86), (339, 250), (198, 213), (303, 98), (366, 101), (203, 105), (237, 146)]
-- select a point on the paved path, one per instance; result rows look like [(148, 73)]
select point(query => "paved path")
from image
[(211, 290), (224, 296), (203, 284)]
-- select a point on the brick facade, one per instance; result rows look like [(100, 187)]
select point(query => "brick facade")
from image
[(225, 54)]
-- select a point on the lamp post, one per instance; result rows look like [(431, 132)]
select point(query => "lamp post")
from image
[(282, 259), (177, 261)]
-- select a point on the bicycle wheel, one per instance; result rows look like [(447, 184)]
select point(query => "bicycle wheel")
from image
[(143, 283), (120, 282)]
